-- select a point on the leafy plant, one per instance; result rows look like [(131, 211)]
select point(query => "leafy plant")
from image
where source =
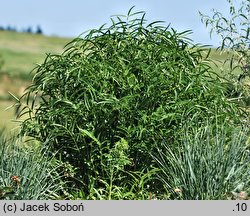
[(133, 83), (114, 183), (206, 165), (233, 29), (137, 187), (27, 174)]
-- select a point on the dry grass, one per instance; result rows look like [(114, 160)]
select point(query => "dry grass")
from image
[(7, 116)]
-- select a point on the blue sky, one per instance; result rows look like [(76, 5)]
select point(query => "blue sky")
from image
[(72, 17)]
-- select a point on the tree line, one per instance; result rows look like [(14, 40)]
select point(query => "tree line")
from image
[(30, 29)]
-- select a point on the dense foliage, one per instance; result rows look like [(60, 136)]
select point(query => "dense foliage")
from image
[(116, 93)]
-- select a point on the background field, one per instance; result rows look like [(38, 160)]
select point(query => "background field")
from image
[(21, 52)]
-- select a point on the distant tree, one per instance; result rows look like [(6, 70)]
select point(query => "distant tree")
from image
[(39, 30), (11, 28), (8, 28), (29, 30)]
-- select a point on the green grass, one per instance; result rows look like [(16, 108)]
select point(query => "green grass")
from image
[(21, 52), (206, 165), (221, 63), (27, 173)]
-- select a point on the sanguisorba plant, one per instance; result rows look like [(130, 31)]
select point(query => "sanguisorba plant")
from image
[(131, 81), (206, 165)]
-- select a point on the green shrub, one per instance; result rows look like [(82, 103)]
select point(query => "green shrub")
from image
[(206, 165), (26, 174), (131, 81)]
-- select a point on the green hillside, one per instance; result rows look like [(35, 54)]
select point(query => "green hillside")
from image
[(20, 53)]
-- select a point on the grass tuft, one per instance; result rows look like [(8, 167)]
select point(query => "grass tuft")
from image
[(206, 165)]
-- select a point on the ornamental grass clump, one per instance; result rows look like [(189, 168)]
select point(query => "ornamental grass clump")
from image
[(207, 165), (27, 174), (132, 82)]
